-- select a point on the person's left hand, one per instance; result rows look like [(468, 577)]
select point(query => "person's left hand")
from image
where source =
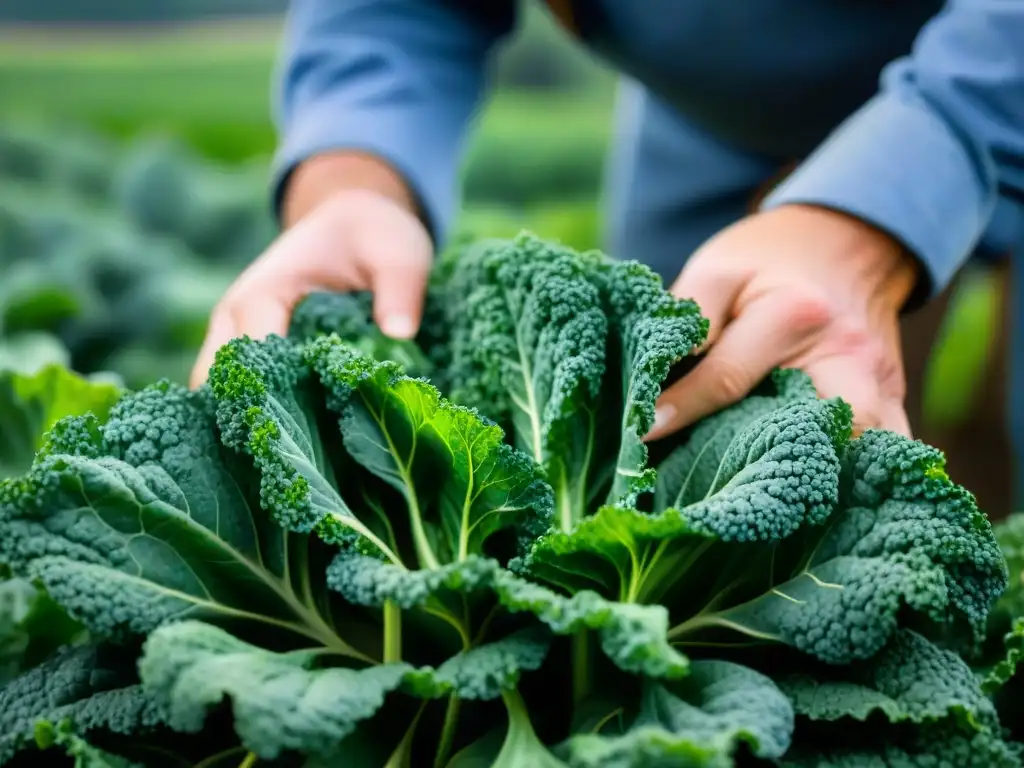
[(797, 287)]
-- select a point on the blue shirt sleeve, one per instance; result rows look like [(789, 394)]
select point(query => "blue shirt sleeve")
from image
[(929, 157), (399, 79)]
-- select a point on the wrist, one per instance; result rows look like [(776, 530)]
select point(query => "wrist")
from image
[(324, 177), (902, 278), (881, 265)]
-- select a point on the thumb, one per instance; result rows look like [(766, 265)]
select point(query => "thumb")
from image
[(398, 295)]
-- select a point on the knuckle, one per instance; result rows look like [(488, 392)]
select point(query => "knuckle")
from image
[(731, 380), (852, 336), (806, 310), (865, 420), (224, 311), (867, 412)]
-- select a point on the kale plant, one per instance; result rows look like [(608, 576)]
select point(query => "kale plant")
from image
[(319, 559)]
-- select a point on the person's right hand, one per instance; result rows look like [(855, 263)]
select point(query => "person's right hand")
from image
[(352, 240)]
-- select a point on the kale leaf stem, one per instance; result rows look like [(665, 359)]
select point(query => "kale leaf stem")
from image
[(392, 632), (451, 720)]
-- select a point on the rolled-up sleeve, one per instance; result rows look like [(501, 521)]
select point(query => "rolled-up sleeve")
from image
[(929, 157), (398, 79)]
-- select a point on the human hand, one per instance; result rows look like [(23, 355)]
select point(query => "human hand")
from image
[(353, 239), (797, 287)]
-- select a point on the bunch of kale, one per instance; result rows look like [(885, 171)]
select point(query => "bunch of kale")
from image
[(317, 559)]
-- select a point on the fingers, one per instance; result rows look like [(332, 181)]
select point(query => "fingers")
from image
[(250, 312), (365, 244), (894, 417), (260, 301), (745, 352), (222, 329), (848, 378), (715, 294), (398, 291)]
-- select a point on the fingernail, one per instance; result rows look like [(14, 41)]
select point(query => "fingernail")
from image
[(663, 416), (399, 327)]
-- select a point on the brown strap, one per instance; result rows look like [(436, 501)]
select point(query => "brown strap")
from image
[(563, 12)]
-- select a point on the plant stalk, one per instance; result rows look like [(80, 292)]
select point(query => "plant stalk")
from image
[(402, 756), (451, 720), (392, 632)]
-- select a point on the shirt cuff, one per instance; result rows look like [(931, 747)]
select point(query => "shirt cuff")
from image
[(899, 166), (409, 143)]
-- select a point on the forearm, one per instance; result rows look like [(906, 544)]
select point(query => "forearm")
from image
[(325, 175), (929, 158), (378, 94)]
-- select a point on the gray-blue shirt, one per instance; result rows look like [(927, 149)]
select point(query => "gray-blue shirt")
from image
[(906, 113)]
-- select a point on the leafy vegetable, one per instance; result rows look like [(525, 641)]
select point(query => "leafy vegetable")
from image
[(559, 346), (32, 402), (700, 720), (913, 705), (348, 316), (318, 559)]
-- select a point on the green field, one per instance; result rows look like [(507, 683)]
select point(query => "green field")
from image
[(212, 86), (215, 93)]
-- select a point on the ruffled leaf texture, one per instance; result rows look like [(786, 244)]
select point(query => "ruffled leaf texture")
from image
[(283, 702), (912, 705), (789, 532), (718, 712)]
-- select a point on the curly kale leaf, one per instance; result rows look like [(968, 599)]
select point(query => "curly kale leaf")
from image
[(487, 671), (910, 680), (292, 407), (64, 736), (158, 516), (461, 483), (147, 519), (928, 747), (367, 580), (558, 345), (903, 537), (283, 703), (898, 502), (529, 351), (94, 686), (278, 702), (31, 404), (913, 704), (1003, 671), (349, 316), (780, 473), (269, 407), (707, 718), (651, 330), (761, 559), (717, 446), (632, 636)]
